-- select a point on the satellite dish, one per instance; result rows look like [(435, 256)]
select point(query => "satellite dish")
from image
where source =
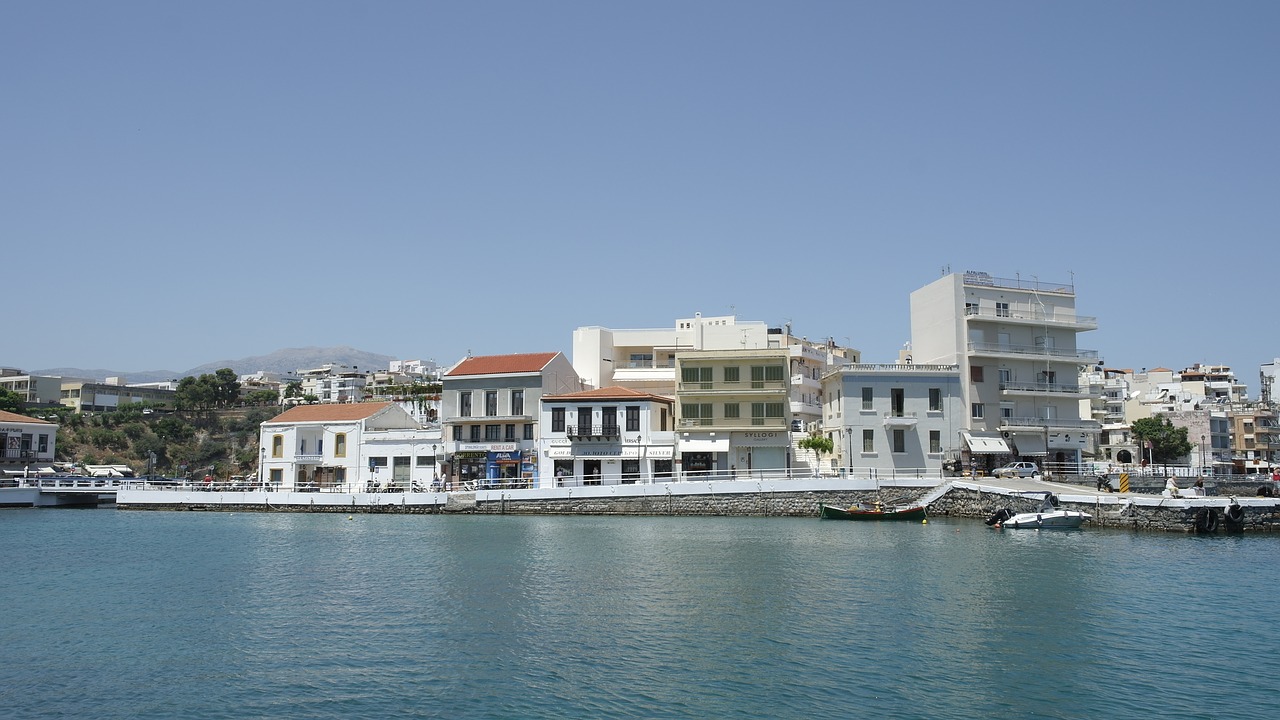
[(1134, 394)]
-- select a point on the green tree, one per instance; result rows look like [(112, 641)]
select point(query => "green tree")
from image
[(819, 444), (10, 401), (1168, 443)]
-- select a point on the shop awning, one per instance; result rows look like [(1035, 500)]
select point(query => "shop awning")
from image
[(986, 443), (700, 445), (1030, 443)]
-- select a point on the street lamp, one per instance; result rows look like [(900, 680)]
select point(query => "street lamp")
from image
[(1203, 462)]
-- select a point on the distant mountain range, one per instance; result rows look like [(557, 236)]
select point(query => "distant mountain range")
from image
[(287, 360)]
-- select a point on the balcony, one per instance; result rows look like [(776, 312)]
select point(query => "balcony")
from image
[(900, 421), (1033, 352), (733, 423), (1040, 388), (1034, 423), (1033, 316), (308, 458), (593, 432), (746, 387)]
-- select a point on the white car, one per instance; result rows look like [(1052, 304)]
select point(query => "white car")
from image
[(1017, 470)]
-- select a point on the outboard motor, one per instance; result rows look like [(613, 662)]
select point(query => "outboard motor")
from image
[(1000, 516)]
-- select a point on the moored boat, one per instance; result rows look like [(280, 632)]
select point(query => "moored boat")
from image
[(1048, 517), (872, 511)]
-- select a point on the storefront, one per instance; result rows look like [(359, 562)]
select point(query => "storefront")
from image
[(760, 450), (703, 456)]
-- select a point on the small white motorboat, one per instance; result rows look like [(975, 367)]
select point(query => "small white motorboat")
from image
[(1049, 516)]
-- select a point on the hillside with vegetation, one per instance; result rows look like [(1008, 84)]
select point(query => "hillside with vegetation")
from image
[(211, 430)]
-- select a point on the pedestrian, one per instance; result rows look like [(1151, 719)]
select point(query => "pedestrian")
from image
[(1275, 475)]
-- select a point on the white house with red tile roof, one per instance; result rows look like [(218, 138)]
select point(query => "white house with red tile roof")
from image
[(25, 441), (352, 447), (609, 436), (489, 406)]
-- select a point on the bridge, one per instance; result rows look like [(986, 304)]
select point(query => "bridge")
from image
[(60, 490)]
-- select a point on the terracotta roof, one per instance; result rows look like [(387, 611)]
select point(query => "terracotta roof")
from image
[(608, 393), (502, 364), (6, 416), (335, 412)]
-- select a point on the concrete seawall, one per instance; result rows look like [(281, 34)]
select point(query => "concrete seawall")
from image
[(784, 498)]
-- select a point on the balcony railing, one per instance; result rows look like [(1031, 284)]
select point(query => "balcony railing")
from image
[(1035, 316), (735, 423), (1052, 423), (592, 432), (900, 420), (1031, 351), (746, 386), (1048, 388)]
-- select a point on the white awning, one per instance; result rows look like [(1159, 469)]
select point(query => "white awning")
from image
[(716, 445), (1030, 443), (986, 443)]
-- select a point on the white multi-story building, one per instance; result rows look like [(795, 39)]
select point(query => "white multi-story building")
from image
[(894, 418), (348, 447), (645, 359), (732, 411), (1020, 365), (333, 383), (489, 406), (607, 436)]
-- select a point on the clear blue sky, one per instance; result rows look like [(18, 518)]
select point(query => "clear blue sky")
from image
[(182, 183)]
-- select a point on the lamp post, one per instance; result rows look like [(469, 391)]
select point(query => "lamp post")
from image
[(1203, 459)]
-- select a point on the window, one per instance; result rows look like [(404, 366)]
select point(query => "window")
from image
[(475, 433), (899, 440), (517, 402), (457, 432), (492, 432), (339, 475), (277, 475), (464, 404), (630, 471), (509, 432), (979, 412), (528, 431), (277, 446), (1006, 376), (935, 441), (340, 445), (696, 413), (43, 446), (763, 413), (1002, 309), (897, 402), (732, 374), (935, 399), (761, 374), (975, 373), (640, 360), (866, 398), (584, 421), (731, 410), (971, 308), (868, 440), (490, 403), (609, 420), (700, 375), (426, 460), (557, 419), (633, 418)]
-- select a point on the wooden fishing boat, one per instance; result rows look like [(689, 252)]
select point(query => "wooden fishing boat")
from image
[(872, 511)]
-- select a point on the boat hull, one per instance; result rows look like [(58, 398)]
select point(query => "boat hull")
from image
[(1062, 519), (830, 512)]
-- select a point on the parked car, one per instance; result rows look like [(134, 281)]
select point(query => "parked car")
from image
[(1017, 470)]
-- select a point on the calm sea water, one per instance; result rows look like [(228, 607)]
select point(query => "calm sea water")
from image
[(116, 614)]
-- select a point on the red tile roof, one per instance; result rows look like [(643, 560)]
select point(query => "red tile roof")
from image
[(608, 393), (333, 412), (6, 416), (502, 364)]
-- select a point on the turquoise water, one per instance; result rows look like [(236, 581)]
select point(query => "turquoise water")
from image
[(116, 614)]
